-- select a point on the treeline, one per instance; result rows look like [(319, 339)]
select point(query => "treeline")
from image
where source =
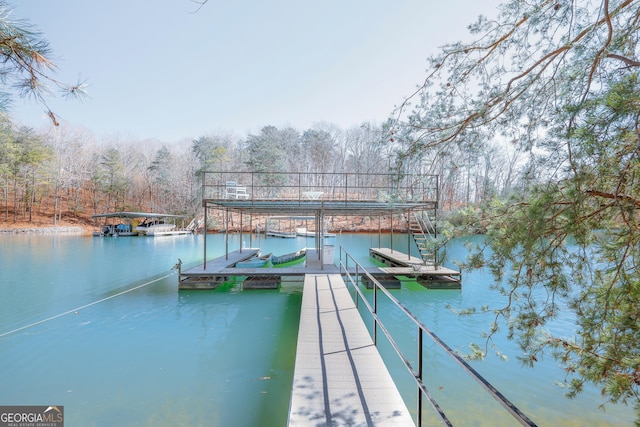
[(68, 173)]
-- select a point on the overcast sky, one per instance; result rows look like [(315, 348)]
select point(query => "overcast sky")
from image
[(164, 69)]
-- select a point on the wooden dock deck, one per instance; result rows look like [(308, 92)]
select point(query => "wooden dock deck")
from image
[(212, 276), (401, 264), (339, 378)]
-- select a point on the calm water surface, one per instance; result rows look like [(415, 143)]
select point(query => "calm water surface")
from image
[(98, 325)]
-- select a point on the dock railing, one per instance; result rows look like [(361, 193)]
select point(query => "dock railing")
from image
[(305, 186), (347, 262)]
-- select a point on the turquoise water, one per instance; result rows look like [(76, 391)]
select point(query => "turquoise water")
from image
[(98, 325)]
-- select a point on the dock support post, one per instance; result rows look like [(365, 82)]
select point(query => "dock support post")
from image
[(409, 233), (391, 227), (226, 233), (204, 232), (241, 227), (319, 224), (419, 412), (319, 241)]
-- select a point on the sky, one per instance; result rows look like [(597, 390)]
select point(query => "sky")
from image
[(170, 70)]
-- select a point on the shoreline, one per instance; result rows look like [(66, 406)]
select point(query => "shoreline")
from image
[(44, 230), (83, 230)]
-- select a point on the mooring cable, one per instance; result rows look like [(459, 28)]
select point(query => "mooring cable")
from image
[(73, 310)]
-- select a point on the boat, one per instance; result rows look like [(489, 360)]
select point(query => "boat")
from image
[(289, 258), (154, 227), (256, 262), (115, 230)]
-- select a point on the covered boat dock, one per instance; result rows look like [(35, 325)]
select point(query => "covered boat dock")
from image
[(339, 376), (318, 196), (133, 226)]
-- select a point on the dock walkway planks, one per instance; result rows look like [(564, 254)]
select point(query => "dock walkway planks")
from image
[(214, 266), (407, 264), (429, 276), (339, 378)]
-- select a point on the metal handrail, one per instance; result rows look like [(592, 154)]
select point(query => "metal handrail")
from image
[(422, 330), (342, 187)]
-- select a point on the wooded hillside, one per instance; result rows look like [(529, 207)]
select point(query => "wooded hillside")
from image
[(64, 176)]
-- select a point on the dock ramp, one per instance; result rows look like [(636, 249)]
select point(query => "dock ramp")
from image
[(340, 377)]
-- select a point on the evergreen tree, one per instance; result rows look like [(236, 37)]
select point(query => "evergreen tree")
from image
[(267, 157), (559, 82), (26, 69), (112, 180), (211, 152)]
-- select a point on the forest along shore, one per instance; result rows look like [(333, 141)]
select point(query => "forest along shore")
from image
[(41, 224)]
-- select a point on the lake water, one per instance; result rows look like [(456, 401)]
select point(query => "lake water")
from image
[(99, 326)]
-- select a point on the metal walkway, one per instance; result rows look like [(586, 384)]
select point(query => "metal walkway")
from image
[(339, 378)]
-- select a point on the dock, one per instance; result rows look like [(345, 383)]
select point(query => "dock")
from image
[(339, 377), (211, 275), (396, 264), (400, 264)]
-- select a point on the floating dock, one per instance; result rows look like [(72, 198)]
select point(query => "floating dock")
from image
[(339, 377), (401, 264), (397, 264), (262, 282), (222, 269), (209, 275)]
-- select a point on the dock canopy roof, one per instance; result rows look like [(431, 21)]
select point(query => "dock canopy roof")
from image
[(136, 215)]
